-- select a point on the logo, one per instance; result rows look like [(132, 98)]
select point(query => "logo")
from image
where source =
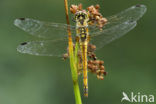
[(132, 97)]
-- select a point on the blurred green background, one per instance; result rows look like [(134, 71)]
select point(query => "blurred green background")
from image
[(24, 79)]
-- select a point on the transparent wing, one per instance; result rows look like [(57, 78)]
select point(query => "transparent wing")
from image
[(112, 33), (41, 29), (44, 48), (117, 26), (133, 13)]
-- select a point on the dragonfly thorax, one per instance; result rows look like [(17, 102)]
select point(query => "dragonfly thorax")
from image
[(83, 33), (82, 18)]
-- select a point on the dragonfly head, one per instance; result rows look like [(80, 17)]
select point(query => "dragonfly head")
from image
[(81, 17)]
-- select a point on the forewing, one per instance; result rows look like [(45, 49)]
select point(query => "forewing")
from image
[(44, 48), (41, 29), (117, 26), (133, 13)]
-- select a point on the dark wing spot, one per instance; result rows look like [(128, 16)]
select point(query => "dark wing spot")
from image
[(24, 43), (22, 19), (138, 5), (131, 20)]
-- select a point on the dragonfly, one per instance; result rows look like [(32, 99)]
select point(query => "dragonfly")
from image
[(55, 39)]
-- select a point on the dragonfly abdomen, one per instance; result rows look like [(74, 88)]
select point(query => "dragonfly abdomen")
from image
[(83, 46)]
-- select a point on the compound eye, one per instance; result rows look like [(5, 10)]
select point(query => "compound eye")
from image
[(78, 16), (83, 16)]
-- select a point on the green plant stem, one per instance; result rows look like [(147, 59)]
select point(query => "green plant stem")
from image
[(77, 93), (73, 60), (75, 80), (76, 85)]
